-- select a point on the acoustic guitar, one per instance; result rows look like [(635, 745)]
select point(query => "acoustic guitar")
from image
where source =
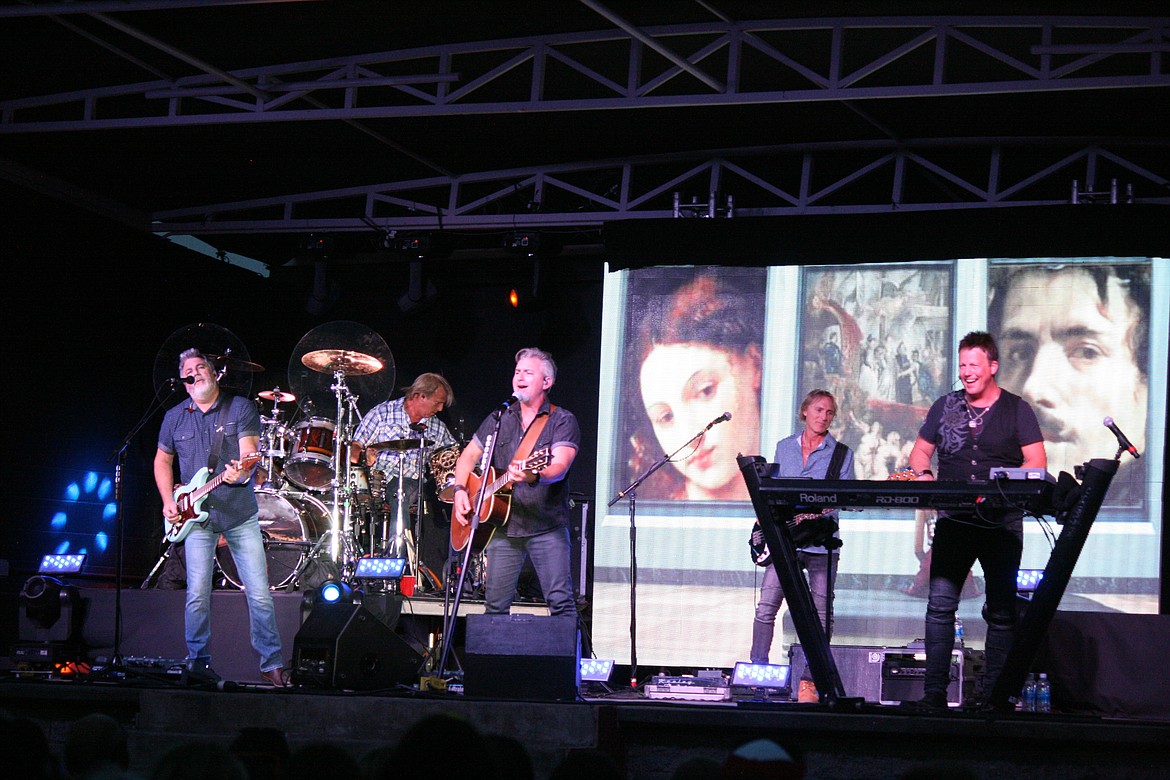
[(497, 504)]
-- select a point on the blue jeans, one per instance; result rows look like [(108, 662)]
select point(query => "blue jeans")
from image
[(957, 545), (247, 548), (822, 576), (550, 557)]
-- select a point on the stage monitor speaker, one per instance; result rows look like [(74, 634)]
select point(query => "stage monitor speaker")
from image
[(904, 671), (346, 647), (521, 657), (860, 668)]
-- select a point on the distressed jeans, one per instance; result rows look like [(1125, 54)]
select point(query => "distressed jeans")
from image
[(550, 557), (821, 571)]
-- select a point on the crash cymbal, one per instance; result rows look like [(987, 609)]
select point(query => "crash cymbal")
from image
[(399, 445), (232, 363), (279, 396), (348, 362)]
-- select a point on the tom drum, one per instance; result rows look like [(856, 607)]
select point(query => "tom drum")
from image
[(310, 466)]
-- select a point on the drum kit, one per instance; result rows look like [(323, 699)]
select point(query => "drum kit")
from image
[(315, 506)]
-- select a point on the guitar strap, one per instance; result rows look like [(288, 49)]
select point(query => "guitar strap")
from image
[(217, 436), (532, 434), (837, 461)]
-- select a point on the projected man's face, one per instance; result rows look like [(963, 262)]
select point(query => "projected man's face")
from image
[(1069, 353), (685, 387)]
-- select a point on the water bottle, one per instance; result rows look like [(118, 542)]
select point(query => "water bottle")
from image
[(958, 632), (1043, 694), (1028, 702)]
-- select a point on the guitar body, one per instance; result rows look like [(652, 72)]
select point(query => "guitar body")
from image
[(492, 515), (191, 511), (497, 504), (189, 500)]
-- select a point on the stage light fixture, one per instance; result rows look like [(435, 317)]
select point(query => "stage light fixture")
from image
[(1027, 580), (380, 568), (760, 675), (596, 669), (70, 563), (333, 592)]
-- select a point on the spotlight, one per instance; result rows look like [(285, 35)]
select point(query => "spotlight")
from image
[(760, 675), (333, 592), (596, 669), (71, 563), (380, 568)]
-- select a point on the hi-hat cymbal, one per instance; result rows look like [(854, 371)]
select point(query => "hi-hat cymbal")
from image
[(399, 445), (348, 362), (235, 364), (279, 396)]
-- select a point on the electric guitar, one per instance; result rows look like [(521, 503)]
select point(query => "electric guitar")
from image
[(189, 500), (497, 505)]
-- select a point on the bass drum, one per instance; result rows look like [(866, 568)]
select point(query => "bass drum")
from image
[(291, 524)]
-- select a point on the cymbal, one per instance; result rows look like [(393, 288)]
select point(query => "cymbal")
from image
[(399, 445), (348, 362), (236, 364), (279, 396)]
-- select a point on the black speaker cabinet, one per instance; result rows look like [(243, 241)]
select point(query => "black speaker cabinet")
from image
[(521, 657), (860, 668), (346, 647), (904, 671)]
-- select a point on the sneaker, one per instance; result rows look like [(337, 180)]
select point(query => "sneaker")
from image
[(277, 678), (807, 693), (930, 702)]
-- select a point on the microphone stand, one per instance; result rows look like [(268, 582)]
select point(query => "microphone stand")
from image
[(631, 492), (120, 519), (480, 496)]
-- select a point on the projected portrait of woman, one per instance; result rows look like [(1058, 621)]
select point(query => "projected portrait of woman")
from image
[(693, 353)]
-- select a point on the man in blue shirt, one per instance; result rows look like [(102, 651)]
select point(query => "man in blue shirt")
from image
[(218, 430), (806, 454)]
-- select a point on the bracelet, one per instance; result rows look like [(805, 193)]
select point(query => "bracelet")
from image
[(457, 488), (923, 473)]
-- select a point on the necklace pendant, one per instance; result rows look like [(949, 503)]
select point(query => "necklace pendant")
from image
[(972, 423)]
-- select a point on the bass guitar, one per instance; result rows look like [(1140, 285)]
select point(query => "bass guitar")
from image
[(189, 500), (497, 504)]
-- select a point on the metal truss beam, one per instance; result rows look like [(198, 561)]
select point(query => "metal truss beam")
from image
[(719, 63), (879, 176)]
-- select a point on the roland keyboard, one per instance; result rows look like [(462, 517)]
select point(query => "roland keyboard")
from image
[(1033, 495)]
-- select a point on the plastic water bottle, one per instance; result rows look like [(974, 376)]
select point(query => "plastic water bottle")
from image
[(958, 632), (1043, 694), (1028, 702)]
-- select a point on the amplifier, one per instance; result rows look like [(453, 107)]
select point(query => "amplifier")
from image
[(904, 668), (859, 666), (688, 688)]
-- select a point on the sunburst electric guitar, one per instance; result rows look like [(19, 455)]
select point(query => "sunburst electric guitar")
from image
[(497, 504), (189, 500)]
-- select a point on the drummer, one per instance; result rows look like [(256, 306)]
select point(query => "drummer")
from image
[(411, 417)]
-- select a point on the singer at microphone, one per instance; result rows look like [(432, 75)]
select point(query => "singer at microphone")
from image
[(186, 380)]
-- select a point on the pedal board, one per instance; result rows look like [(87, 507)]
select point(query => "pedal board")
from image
[(688, 688)]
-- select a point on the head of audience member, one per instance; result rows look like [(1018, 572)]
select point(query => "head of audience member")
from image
[(697, 359), (435, 735), (264, 752), (25, 750), (587, 764), (1075, 344), (198, 760), (763, 758), (95, 742), (316, 760)]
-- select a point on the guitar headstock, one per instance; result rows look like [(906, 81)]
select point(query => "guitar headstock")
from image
[(537, 460)]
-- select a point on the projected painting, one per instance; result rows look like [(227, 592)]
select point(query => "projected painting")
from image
[(683, 345)]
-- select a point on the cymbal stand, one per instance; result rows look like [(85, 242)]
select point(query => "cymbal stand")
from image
[(342, 548), (402, 545)]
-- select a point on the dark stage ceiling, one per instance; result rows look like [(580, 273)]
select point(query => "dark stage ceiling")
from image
[(251, 125)]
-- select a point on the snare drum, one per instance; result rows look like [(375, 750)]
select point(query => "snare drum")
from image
[(290, 524), (442, 468), (310, 466)]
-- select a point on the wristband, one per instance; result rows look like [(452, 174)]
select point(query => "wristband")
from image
[(924, 472), (458, 488)]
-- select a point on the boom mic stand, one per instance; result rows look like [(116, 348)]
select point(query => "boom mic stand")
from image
[(120, 520), (631, 492), (480, 496)]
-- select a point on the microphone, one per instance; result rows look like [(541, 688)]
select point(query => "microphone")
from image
[(418, 427), (721, 418), (186, 380), (1121, 440), (507, 404)]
